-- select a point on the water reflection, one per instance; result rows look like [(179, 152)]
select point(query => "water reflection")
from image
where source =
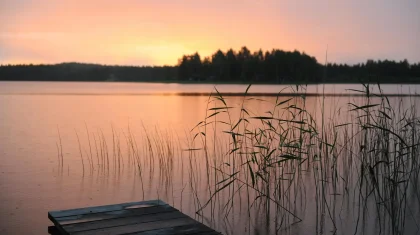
[(136, 148)]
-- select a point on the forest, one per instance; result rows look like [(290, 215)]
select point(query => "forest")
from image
[(243, 66)]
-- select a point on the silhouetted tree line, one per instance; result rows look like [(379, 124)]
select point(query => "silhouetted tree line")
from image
[(384, 71), (274, 66), (279, 66), (243, 66), (86, 72)]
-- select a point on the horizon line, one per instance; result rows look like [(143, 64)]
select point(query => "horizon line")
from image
[(175, 65), (228, 94), (210, 56)]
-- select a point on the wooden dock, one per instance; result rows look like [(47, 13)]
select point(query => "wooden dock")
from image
[(146, 218)]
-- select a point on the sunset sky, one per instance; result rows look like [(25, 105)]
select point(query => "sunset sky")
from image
[(138, 32)]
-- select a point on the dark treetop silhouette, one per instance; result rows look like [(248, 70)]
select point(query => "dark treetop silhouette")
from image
[(244, 66)]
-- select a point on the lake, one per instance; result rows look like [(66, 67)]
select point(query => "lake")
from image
[(72, 144)]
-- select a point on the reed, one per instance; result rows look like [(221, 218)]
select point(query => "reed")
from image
[(287, 164), (373, 154)]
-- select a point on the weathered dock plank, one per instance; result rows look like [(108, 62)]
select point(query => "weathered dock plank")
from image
[(106, 208), (147, 217), (102, 224), (183, 229), (135, 228), (113, 214)]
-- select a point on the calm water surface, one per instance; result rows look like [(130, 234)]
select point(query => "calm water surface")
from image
[(40, 120)]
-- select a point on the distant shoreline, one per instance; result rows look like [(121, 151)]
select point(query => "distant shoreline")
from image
[(216, 83), (256, 94)]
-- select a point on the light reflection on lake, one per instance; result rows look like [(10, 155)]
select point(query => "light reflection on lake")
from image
[(113, 115)]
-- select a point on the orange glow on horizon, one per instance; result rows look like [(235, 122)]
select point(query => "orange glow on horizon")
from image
[(160, 32)]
